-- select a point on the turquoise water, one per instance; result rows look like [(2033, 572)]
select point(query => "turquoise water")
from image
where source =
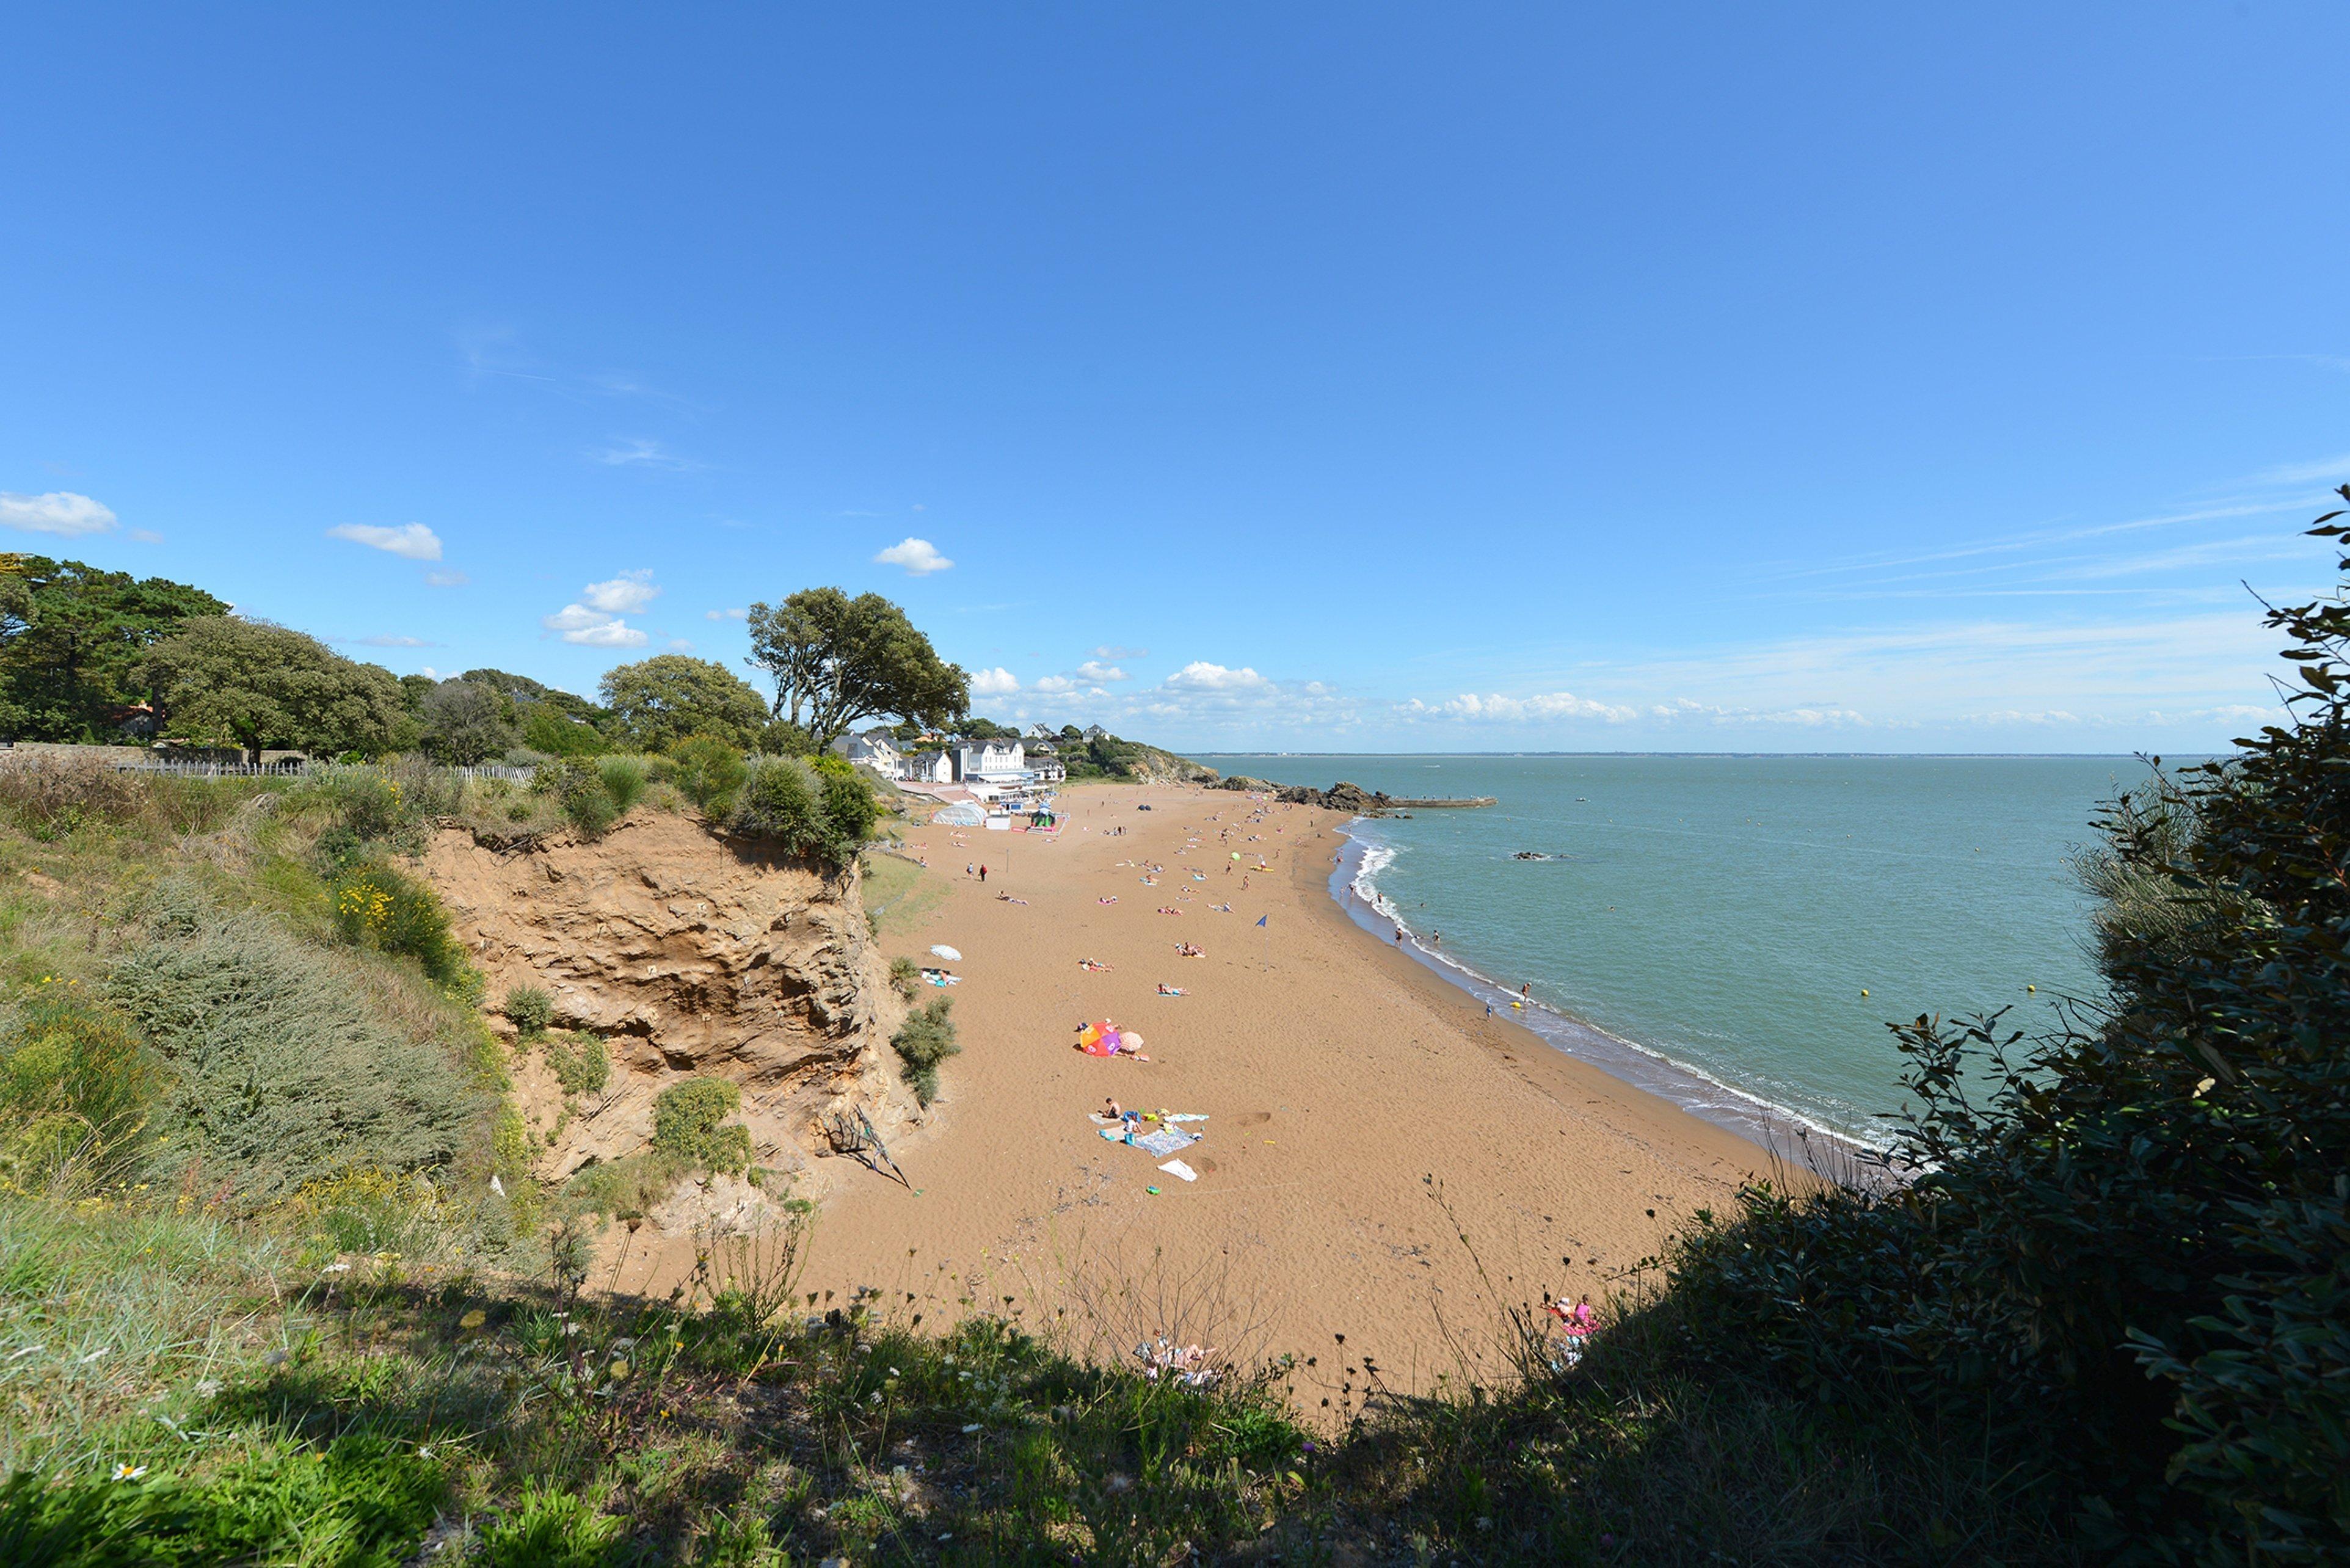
[(1725, 913)]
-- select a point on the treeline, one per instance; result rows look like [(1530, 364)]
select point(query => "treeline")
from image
[(90, 656)]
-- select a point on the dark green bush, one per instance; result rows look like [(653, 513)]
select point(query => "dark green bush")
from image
[(810, 811), (905, 978), (926, 1039), (690, 1122), (709, 770), (552, 1527), (580, 1062), (529, 1009)]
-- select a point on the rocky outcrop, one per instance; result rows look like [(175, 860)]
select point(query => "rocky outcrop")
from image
[(1347, 797), (687, 954)]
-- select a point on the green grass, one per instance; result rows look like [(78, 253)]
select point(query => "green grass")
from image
[(898, 893)]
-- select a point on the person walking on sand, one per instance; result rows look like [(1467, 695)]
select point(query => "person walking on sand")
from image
[(983, 873)]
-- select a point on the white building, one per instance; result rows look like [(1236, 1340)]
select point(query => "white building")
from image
[(875, 750), (1096, 732), (993, 763), (1046, 770), (930, 767), (1040, 732)]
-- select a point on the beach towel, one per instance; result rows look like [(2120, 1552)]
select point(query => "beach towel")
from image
[(1164, 1142), (1177, 1168)]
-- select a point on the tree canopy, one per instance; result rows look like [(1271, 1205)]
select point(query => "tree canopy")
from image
[(465, 722), (223, 682), (837, 660), (71, 637), (666, 697)]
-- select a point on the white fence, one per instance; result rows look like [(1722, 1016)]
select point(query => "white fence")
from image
[(302, 770)]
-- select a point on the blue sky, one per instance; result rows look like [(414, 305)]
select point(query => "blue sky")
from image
[(1348, 377)]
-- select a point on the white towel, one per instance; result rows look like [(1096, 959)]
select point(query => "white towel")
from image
[(1177, 1168)]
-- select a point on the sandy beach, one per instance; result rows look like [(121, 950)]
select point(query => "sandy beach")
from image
[(1364, 1116)]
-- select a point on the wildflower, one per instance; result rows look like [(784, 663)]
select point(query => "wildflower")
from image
[(423, 1453), (336, 1269), (208, 1387), (126, 1472)]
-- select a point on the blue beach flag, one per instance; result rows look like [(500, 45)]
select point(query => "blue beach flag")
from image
[(1261, 919)]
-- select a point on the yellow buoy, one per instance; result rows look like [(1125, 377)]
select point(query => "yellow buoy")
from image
[(2032, 988), (1864, 991)]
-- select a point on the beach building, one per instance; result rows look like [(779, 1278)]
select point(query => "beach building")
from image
[(993, 763), (1096, 732), (928, 767), (1046, 770)]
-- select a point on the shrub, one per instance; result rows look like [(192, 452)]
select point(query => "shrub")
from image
[(287, 1073), (926, 1039), (710, 771), (579, 789), (51, 796), (377, 907), (77, 1090), (529, 1009), (815, 812), (624, 779), (690, 1122), (367, 804), (581, 1063), (905, 978)]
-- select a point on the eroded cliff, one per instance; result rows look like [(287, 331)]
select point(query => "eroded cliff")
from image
[(687, 954)]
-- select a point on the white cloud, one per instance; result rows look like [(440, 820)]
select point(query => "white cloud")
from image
[(1201, 676), (919, 556), (624, 594), (679, 645), (1094, 669), (147, 536), (611, 634), (411, 541), (1055, 685), (996, 682), (429, 673), (724, 614), (393, 642), (446, 579), (575, 618), (57, 511), (1111, 650), (1520, 710)]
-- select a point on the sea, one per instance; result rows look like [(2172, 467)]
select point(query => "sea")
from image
[(1737, 932)]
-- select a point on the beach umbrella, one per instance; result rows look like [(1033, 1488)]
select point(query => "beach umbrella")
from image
[(940, 949)]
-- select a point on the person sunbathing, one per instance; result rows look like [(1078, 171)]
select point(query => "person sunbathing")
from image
[(1166, 990), (1091, 964)]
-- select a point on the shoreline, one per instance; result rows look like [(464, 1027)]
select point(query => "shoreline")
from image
[(1780, 1130)]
